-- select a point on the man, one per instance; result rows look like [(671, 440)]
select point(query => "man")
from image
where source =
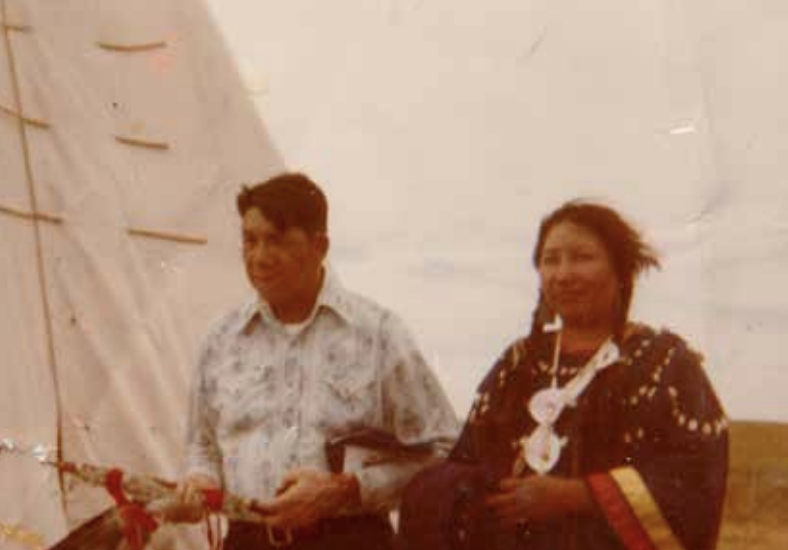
[(306, 361)]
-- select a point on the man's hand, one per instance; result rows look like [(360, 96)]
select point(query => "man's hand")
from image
[(189, 506), (307, 496), (538, 499)]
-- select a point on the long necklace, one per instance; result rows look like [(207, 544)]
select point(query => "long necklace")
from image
[(541, 449)]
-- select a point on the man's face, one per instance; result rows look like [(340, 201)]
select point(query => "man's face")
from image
[(284, 266)]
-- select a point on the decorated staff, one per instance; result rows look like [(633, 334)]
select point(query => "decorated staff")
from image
[(144, 502)]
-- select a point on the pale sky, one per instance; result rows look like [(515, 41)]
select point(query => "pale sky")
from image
[(443, 132)]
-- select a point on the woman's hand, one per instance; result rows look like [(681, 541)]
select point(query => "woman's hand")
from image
[(307, 496), (539, 499)]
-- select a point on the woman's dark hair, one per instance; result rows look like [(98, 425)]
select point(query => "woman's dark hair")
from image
[(628, 252), (287, 200)]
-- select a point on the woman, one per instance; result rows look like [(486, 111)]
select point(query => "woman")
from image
[(591, 433)]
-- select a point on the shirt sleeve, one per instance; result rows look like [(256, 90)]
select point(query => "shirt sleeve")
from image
[(671, 495), (203, 455), (415, 409)]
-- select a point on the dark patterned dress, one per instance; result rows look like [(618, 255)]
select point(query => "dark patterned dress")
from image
[(648, 435)]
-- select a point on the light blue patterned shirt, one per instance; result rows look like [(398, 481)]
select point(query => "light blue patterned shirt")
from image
[(266, 399)]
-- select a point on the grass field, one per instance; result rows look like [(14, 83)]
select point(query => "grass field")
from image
[(756, 509)]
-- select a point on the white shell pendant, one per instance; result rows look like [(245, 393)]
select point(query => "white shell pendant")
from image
[(605, 356), (546, 405), (542, 449)]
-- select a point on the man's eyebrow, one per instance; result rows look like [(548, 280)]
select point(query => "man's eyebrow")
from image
[(273, 231)]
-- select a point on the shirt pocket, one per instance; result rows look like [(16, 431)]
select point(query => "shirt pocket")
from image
[(350, 388), (246, 396)]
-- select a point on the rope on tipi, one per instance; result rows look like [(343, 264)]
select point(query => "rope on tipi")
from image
[(131, 48), (26, 119), (39, 249), (49, 218), (16, 27), (136, 142), (164, 236)]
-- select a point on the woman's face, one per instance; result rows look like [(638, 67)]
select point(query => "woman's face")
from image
[(577, 276)]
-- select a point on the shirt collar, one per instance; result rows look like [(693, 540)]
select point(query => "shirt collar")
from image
[(332, 296)]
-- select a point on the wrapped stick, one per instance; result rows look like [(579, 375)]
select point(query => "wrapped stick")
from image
[(143, 501), (145, 489)]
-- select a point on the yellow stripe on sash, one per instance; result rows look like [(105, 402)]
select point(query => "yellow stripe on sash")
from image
[(646, 508)]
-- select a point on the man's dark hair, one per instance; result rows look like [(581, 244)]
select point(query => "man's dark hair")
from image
[(287, 200), (628, 252)]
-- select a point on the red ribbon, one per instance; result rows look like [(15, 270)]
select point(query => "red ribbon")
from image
[(114, 484), (213, 501), (137, 523)]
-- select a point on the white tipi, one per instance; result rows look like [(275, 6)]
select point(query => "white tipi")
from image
[(124, 133)]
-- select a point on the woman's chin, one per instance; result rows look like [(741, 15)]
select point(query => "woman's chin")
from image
[(572, 314), (580, 318)]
